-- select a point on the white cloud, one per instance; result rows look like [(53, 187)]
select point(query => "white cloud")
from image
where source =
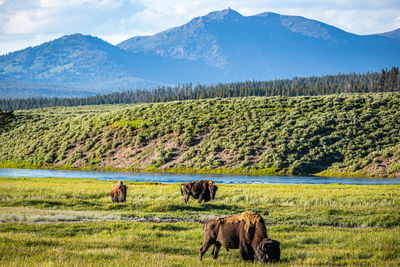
[(356, 16), (70, 16), (117, 20)]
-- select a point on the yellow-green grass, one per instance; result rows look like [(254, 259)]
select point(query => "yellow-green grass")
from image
[(301, 217), (177, 244), (342, 205)]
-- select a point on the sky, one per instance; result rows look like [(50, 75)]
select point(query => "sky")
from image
[(26, 23)]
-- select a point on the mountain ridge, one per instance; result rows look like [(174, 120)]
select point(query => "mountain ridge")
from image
[(221, 46), (297, 40), (395, 34)]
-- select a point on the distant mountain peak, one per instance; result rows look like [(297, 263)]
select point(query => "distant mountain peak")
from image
[(266, 14), (76, 36), (220, 46), (81, 37), (222, 15)]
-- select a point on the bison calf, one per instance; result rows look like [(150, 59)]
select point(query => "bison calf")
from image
[(244, 231), (118, 192), (201, 190)]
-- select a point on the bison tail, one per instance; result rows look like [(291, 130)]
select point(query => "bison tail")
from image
[(181, 189)]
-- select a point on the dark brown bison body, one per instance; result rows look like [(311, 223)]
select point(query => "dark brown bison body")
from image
[(118, 192), (244, 231), (201, 190)]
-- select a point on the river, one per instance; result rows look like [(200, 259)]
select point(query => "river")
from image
[(181, 178)]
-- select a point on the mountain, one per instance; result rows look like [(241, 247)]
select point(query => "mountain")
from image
[(72, 61), (221, 46), (21, 89), (392, 34), (268, 46), (86, 65)]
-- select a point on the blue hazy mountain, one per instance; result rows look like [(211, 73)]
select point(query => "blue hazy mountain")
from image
[(392, 34), (221, 46), (268, 46), (86, 65)]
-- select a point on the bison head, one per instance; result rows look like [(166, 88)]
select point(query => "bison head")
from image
[(268, 251), (122, 188), (213, 189)]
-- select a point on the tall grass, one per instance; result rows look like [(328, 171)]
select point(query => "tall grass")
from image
[(301, 217), (335, 205), (177, 244)]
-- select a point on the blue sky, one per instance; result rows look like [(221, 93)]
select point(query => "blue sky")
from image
[(27, 23)]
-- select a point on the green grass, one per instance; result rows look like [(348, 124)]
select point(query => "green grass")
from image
[(177, 244), (343, 205), (349, 134), (60, 221), (134, 123)]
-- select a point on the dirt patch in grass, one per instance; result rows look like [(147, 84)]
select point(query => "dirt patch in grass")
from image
[(382, 166)]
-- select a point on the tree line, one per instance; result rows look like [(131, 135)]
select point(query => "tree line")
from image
[(385, 81)]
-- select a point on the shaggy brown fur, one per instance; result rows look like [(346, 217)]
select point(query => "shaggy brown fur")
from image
[(118, 192), (244, 231), (201, 190), (250, 218)]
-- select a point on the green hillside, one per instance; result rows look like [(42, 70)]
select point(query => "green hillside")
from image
[(347, 134)]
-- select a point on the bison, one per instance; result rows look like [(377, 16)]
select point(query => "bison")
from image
[(201, 190), (244, 231), (118, 192)]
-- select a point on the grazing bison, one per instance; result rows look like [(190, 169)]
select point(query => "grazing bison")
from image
[(244, 231), (201, 190), (118, 192)]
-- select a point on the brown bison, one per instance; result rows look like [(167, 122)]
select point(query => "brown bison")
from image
[(201, 190), (118, 192), (244, 231)]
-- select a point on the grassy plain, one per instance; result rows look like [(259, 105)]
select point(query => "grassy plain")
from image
[(72, 221), (177, 244)]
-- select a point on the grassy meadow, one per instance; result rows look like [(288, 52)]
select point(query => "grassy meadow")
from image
[(57, 221)]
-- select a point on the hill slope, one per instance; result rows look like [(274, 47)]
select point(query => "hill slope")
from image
[(350, 134)]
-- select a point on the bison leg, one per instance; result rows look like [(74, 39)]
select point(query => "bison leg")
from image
[(186, 197), (204, 248), (215, 250), (200, 198), (246, 252)]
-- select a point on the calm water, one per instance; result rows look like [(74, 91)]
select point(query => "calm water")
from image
[(180, 178)]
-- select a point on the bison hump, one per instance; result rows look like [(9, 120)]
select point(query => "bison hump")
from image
[(249, 217)]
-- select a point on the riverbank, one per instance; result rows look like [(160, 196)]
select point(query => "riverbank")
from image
[(170, 178), (219, 171), (354, 135)]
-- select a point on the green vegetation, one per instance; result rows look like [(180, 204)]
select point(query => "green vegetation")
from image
[(347, 134), (386, 81), (333, 205), (5, 118), (295, 209), (132, 124), (177, 244)]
